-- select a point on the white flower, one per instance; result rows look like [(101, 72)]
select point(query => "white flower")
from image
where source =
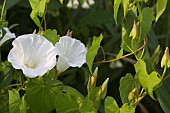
[(32, 53), (71, 52), (70, 4), (85, 5), (7, 36), (91, 2), (75, 4)]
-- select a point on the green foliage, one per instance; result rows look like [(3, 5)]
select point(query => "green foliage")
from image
[(112, 107), (125, 7), (66, 103), (51, 35), (61, 1), (146, 18), (127, 84), (11, 3), (160, 7), (41, 93), (163, 95), (6, 74), (155, 56), (74, 92), (126, 42), (120, 53), (95, 97), (38, 9), (92, 51), (116, 7), (149, 82), (16, 105)]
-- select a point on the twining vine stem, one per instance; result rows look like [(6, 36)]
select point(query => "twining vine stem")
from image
[(112, 60)]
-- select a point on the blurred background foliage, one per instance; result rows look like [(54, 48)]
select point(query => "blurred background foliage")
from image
[(85, 24)]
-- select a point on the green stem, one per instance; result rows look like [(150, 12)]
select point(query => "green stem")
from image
[(165, 68), (3, 8), (13, 85)]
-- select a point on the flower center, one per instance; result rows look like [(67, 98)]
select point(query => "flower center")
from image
[(30, 64)]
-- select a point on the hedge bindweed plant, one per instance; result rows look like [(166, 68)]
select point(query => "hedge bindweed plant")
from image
[(39, 59)]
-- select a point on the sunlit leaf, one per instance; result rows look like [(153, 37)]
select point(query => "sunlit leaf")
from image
[(38, 9), (14, 101), (16, 105), (116, 7), (148, 82), (120, 54), (51, 35), (23, 107), (125, 6), (160, 7), (61, 1), (93, 51), (112, 107)]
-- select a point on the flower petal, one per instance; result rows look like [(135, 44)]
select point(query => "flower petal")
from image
[(7, 36), (62, 64), (32, 53), (72, 51)]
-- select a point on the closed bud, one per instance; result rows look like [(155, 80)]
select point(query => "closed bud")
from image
[(132, 94), (91, 83), (165, 58), (95, 72), (134, 32), (92, 80), (85, 5), (70, 4), (103, 90), (75, 4)]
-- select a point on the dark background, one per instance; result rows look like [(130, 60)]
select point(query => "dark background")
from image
[(85, 24)]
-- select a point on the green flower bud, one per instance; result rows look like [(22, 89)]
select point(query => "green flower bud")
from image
[(132, 94), (134, 32), (104, 88), (91, 83), (165, 58), (92, 80)]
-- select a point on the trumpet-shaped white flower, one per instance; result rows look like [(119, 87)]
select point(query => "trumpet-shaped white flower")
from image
[(85, 5), (32, 53), (75, 4), (71, 52), (7, 36), (91, 2), (70, 4)]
